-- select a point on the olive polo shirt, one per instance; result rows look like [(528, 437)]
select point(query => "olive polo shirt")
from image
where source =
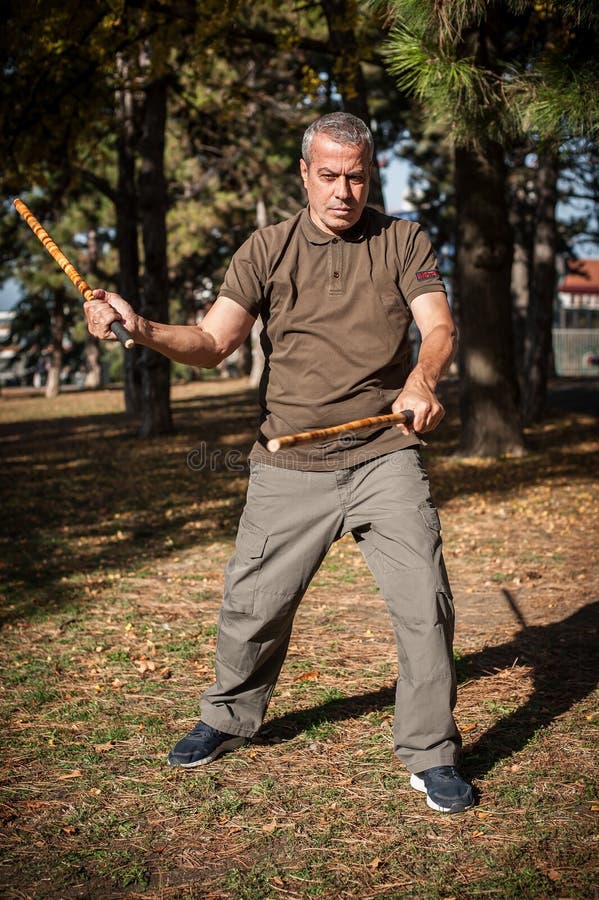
[(336, 313)]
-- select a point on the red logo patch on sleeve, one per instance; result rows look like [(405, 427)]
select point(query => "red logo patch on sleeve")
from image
[(428, 273)]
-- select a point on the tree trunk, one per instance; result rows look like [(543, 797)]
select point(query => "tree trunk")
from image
[(348, 76), (56, 355), (521, 225), (489, 388), (257, 353), (190, 310), (520, 284), (155, 368), (540, 311), (126, 227), (93, 366)]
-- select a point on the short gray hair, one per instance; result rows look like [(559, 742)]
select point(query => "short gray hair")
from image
[(341, 127)]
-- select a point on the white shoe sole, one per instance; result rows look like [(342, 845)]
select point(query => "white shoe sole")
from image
[(225, 747), (419, 785)]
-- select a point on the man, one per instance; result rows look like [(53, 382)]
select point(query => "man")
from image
[(337, 287)]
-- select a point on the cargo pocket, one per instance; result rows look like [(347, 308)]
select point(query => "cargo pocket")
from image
[(429, 513), (433, 524), (243, 569)]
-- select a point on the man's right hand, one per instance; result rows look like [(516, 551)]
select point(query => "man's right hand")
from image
[(106, 308)]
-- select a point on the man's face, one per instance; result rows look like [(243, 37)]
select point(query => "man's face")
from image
[(337, 183)]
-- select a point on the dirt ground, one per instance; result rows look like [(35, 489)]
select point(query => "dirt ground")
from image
[(112, 560)]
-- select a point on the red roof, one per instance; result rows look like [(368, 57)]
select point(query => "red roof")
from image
[(582, 277)]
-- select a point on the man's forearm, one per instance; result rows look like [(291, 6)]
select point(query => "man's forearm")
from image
[(223, 329), (187, 344), (437, 352)]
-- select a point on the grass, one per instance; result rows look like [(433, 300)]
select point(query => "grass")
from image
[(112, 560)]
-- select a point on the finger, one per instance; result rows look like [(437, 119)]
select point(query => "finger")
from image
[(430, 419), (100, 316)]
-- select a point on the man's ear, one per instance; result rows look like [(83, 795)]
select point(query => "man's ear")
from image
[(303, 171)]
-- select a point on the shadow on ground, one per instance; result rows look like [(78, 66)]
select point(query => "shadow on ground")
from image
[(83, 495), (565, 666)]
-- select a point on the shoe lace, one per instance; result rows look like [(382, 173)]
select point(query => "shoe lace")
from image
[(446, 772)]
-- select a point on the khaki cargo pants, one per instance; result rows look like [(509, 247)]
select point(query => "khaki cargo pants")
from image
[(290, 520)]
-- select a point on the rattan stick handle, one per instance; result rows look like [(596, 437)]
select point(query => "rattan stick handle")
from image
[(68, 268), (320, 434)]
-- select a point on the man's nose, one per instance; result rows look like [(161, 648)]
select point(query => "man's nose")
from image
[(342, 190)]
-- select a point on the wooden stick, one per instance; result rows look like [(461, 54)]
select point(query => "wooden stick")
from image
[(68, 268), (319, 434)]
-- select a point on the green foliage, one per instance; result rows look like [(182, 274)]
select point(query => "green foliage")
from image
[(439, 76), (541, 78), (556, 99)]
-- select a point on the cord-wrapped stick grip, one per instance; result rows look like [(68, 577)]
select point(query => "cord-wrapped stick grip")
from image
[(68, 268), (321, 434)]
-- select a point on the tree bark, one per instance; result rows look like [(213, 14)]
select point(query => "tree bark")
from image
[(538, 347), (520, 221), (489, 388), (155, 368), (257, 353), (520, 285), (126, 227), (93, 366), (190, 309), (56, 355)]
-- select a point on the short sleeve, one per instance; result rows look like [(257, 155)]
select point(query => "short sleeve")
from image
[(243, 282), (420, 271)]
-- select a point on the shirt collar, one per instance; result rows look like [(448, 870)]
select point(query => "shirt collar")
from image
[(316, 236)]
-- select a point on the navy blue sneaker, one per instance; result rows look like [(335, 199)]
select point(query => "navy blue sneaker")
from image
[(202, 745), (445, 789)]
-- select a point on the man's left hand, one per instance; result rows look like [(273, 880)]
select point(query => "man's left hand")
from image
[(423, 402)]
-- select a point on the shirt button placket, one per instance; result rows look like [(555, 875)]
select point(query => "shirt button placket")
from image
[(336, 281)]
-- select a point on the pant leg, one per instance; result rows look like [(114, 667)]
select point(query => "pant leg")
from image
[(401, 542), (287, 526)]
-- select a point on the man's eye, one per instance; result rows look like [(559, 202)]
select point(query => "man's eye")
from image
[(357, 179)]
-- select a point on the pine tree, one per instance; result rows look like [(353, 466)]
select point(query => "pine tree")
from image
[(479, 72)]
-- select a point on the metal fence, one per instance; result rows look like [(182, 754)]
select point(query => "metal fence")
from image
[(576, 351)]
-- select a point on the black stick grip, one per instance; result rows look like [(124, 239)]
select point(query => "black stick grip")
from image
[(123, 335)]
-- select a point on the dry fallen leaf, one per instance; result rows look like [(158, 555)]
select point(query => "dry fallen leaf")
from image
[(308, 676), (375, 862), (145, 665), (77, 773), (104, 748), (268, 829)]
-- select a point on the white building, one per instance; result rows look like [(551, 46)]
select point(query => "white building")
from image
[(576, 339)]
